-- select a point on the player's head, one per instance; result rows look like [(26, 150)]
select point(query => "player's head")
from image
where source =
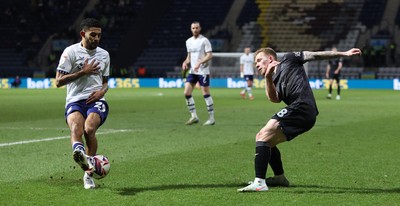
[(263, 57), (195, 28), (247, 50), (267, 52), (90, 33)]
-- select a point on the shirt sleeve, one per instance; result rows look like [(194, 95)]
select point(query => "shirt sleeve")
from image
[(65, 65), (106, 71), (207, 46)]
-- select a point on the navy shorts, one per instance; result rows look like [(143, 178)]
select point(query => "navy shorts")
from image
[(296, 120), (204, 80), (100, 107), (249, 77)]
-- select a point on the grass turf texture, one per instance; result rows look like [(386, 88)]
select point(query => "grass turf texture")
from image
[(350, 157)]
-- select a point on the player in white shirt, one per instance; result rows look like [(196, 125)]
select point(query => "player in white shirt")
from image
[(199, 52), (84, 68), (247, 72)]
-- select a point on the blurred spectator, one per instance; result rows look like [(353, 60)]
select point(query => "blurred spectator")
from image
[(16, 82), (392, 52), (141, 71)]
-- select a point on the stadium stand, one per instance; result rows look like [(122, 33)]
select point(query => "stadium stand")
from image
[(137, 35), (388, 73), (166, 47), (26, 27)]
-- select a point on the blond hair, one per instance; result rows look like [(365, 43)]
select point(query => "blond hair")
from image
[(267, 51)]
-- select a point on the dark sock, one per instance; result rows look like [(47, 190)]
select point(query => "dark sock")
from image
[(263, 154), (330, 89), (276, 162)]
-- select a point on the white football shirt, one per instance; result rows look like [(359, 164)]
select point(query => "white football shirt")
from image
[(72, 60), (198, 47), (248, 63)]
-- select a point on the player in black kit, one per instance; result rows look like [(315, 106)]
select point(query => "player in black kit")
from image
[(285, 81), (333, 73)]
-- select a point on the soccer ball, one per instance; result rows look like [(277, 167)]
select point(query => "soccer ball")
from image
[(101, 166)]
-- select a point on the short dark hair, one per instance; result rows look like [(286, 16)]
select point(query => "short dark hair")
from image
[(89, 22), (268, 51)]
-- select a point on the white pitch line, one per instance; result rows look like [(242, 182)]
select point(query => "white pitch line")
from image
[(57, 138)]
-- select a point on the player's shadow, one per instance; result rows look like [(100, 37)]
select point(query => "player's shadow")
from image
[(299, 189), (296, 189), (134, 191)]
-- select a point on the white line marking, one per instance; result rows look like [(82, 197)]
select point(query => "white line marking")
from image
[(61, 137)]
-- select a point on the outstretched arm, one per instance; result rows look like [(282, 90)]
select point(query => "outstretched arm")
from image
[(320, 55)]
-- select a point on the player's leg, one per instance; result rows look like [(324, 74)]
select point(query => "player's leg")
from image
[(269, 136), (96, 116), (275, 162), (243, 92), (337, 78), (91, 125), (76, 121), (190, 103), (210, 105), (330, 88), (249, 88)]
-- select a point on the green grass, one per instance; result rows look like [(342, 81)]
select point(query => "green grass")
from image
[(350, 157)]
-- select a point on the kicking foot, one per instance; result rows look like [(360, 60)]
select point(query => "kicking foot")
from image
[(81, 159)]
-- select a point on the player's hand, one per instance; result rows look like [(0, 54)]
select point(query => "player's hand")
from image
[(95, 96), (91, 68), (353, 51), (185, 66), (197, 67), (271, 68)]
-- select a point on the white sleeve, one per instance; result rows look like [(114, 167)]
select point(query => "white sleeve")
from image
[(106, 72), (207, 46), (65, 63)]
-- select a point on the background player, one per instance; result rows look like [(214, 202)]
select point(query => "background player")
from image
[(199, 52), (84, 68), (247, 72), (333, 73), (285, 81)]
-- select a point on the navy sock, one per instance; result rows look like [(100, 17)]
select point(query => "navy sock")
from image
[(263, 154), (276, 162)]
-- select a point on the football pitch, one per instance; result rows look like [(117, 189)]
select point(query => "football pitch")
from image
[(350, 157)]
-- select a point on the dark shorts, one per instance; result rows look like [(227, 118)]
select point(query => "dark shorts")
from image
[(249, 77), (295, 121), (334, 76), (99, 107), (204, 80)]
